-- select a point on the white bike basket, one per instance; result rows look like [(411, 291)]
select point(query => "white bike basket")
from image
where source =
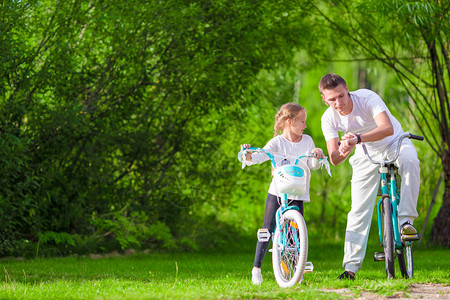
[(291, 179)]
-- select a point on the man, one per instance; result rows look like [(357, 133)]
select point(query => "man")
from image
[(364, 118)]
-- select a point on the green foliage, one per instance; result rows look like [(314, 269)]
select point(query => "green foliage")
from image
[(17, 187), (57, 238), (132, 230), (369, 30), (132, 114), (115, 105)]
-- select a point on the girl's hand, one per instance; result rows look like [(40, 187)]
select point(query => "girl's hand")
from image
[(318, 153), (248, 155)]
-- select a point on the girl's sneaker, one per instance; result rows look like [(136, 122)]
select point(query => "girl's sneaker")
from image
[(256, 276)]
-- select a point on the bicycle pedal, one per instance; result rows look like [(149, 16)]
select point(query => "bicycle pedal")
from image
[(379, 256), (263, 235), (410, 237), (309, 267)]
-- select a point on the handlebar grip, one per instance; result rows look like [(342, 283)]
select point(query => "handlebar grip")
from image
[(416, 137)]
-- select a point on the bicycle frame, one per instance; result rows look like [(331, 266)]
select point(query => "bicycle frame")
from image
[(389, 189), (281, 210), (283, 197)]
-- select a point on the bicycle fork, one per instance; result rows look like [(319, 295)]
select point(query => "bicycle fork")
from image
[(279, 220), (393, 196), (264, 234)]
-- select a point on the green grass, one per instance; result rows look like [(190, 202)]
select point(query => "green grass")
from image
[(205, 276)]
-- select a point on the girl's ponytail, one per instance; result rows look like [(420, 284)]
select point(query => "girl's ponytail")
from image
[(287, 111)]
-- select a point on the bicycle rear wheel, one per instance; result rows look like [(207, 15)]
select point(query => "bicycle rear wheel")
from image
[(289, 260), (388, 238), (405, 261)]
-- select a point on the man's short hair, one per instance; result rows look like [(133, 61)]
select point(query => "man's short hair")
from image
[(331, 81)]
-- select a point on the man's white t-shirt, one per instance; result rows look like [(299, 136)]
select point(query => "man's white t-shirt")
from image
[(366, 106), (281, 145)]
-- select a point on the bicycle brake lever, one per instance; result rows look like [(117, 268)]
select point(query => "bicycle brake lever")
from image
[(242, 157)]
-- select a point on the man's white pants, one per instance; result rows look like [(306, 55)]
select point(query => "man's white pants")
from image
[(365, 182)]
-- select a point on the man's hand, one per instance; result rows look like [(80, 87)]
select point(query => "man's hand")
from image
[(348, 142)]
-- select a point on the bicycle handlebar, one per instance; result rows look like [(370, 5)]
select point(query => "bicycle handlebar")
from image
[(271, 154), (323, 161), (416, 137), (402, 137)]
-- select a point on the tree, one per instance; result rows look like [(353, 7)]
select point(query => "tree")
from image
[(117, 105), (412, 39)]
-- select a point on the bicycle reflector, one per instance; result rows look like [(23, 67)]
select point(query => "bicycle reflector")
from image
[(290, 179), (263, 235)]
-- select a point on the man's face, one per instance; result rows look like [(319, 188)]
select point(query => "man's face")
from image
[(339, 99)]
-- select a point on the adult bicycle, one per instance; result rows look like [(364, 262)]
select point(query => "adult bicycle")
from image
[(290, 238), (395, 244)]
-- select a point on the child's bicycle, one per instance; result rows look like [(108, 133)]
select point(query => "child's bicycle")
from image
[(387, 216), (290, 239)]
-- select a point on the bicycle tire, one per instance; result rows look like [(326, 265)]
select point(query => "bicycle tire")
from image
[(289, 264), (388, 238), (405, 261)]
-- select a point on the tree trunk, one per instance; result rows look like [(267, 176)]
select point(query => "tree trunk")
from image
[(440, 232)]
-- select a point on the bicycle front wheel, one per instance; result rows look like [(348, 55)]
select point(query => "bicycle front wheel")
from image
[(405, 261), (388, 238), (290, 249)]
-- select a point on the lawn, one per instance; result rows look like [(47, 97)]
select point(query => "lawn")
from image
[(205, 276)]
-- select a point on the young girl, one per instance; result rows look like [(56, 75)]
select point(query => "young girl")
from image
[(291, 121)]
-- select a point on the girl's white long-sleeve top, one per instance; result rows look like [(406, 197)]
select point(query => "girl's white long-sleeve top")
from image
[(280, 144)]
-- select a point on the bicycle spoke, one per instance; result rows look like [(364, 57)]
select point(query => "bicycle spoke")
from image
[(289, 257)]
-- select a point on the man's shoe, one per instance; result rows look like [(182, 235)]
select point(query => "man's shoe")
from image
[(407, 229), (256, 276), (346, 275)]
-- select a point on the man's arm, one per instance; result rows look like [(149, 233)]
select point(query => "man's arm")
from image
[(384, 129)]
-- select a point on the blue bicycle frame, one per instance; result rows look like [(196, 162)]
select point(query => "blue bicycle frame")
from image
[(284, 200), (394, 196), (389, 189)]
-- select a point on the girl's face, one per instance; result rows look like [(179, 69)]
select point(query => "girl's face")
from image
[(298, 124)]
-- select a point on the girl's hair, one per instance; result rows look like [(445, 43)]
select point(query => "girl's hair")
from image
[(286, 111)]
